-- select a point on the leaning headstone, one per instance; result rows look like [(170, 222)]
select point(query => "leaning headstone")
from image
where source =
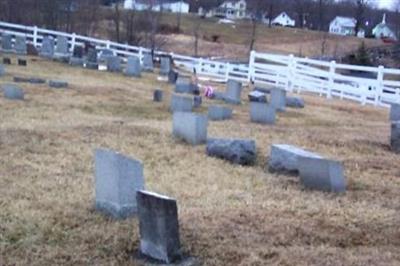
[(6, 42), (2, 70), (133, 67), (190, 127), (22, 62), (47, 48), (233, 92), (262, 113), (172, 77), (395, 136), (294, 102), (217, 113), (165, 66), (197, 101), (62, 50), (158, 96), (278, 99), (158, 226), (117, 179), (58, 84), (6, 61), (256, 96), (237, 151), (12, 92), (181, 103), (113, 64), (148, 64), (20, 46), (322, 174), (395, 112), (91, 59), (285, 158)]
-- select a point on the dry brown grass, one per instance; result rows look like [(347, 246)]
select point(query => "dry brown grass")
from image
[(229, 215)]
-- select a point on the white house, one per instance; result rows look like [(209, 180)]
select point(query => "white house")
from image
[(382, 30), (283, 19), (232, 9), (174, 6), (343, 26)]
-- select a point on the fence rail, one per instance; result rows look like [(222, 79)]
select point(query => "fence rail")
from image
[(368, 85)]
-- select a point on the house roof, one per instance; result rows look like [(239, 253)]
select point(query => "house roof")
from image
[(345, 21)]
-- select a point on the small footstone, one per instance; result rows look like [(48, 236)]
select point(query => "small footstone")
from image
[(181, 103), (256, 96), (237, 151), (21, 79), (37, 81), (262, 113), (58, 84), (190, 127), (294, 102), (12, 92), (158, 96), (217, 113), (395, 136), (22, 62), (6, 61)]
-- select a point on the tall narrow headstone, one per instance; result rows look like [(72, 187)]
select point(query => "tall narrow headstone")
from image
[(217, 113), (12, 92), (20, 46), (158, 226), (395, 136), (91, 59), (278, 99), (148, 64), (6, 42), (47, 48), (262, 113), (133, 67), (62, 50), (113, 64), (190, 127), (165, 66), (233, 92), (181, 103), (117, 179)]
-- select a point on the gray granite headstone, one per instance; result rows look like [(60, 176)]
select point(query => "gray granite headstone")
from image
[(20, 46), (76, 61), (197, 101), (237, 151), (165, 66), (190, 127), (278, 99), (62, 50), (395, 136), (285, 158), (294, 102), (395, 112), (133, 67), (262, 113), (158, 226), (114, 64), (183, 85), (148, 64), (91, 59), (233, 92), (12, 92), (117, 179), (172, 77), (47, 48), (58, 84), (158, 96), (322, 174), (181, 103), (217, 113), (6, 42), (2, 70)]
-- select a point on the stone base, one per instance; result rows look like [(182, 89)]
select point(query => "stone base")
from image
[(117, 212)]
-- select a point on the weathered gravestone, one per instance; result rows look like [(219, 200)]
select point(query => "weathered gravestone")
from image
[(190, 127), (91, 59), (237, 151), (2, 70), (158, 96), (12, 92), (217, 113), (181, 103), (117, 179), (32, 50), (6, 42), (58, 84), (185, 85), (78, 51), (29, 80), (62, 50), (262, 113), (22, 62), (294, 102), (47, 48), (158, 226), (172, 77), (133, 67), (218, 95), (197, 101), (278, 99), (322, 174), (395, 112), (148, 64), (285, 158), (6, 61), (20, 46), (395, 136), (165, 66), (257, 96), (113, 64), (77, 56), (233, 92), (105, 54)]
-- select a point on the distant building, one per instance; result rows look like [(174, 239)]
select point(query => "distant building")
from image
[(284, 20), (343, 26), (174, 6), (382, 30), (232, 9)]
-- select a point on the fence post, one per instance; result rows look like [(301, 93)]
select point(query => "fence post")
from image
[(379, 87), (35, 36), (228, 66), (108, 44), (73, 42), (292, 67), (251, 74), (141, 54), (331, 79)]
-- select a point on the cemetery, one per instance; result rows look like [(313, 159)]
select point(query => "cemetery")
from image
[(126, 167)]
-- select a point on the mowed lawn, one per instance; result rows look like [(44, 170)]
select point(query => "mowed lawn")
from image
[(229, 215)]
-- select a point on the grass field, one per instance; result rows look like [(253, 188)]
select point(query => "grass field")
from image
[(229, 215)]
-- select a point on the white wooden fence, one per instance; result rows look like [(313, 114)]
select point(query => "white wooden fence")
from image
[(330, 79)]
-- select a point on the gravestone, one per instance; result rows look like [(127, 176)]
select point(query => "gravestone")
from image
[(22, 62), (20, 46), (285, 158), (197, 101), (37, 80), (158, 226), (21, 79), (395, 136), (12, 92), (294, 102), (6, 42), (217, 113), (165, 66), (278, 99), (158, 96), (2, 70), (6, 61), (218, 95), (105, 54), (322, 174), (190, 127), (31, 49), (76, 61), (117, 179), (133, 67), (113, 64), (237, 151), (78, 51), (183, 85), (262, 113), (148, 64), (172, 77), (256, 96), (181, 103), (58, 84), (394, 112), (62, 50), (91, 59), (47, 48), (233, 92)]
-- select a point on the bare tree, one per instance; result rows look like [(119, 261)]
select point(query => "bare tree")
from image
[(361, 6), (117, 21)]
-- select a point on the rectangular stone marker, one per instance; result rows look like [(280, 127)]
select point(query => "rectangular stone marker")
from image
[(20, 46), (262, 113), (165, 66), (395, 136), (133, 67), (6, 42), (158, 96), (190, 127), (285, 158), (233, 92), (12, 92), (78, 51), (62, 50), (148, 64), (197, 101), (7, 61), (172, 77), (2, 70), (237, 151), (183, 85), (117, 179), (76, 61), (22, 62), (113, 64), (394, 112), (47, 48), (322, 174), (217, 113), (278, 99), (91, 59), (58, 84), (181, 103), (158, 226)]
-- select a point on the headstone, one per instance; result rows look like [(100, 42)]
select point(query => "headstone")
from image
[(218, 95), (58, 84), (285, 158), (2, 70), (256, 96), (172, 77), (21, 79), (20, 46), (158, 96), (22, 62), (395, 112), (6, 61), (395, 136), (322, 174), (62, 50), (105, 54), (76, 61), (78, 51), (181, 103), (233, 92), (31, 49), (294, 102), (117, 179), (12, 92), (278, 99), (237, 151), (165, 66), (91, 60), (6, 42), (37, 80), (148, 64), (183, 85), (133, 67), (47, 48), (262, 113), (113, 64), (217, 113), (158, 226), (190, 127), (197, 101), (263, 90)]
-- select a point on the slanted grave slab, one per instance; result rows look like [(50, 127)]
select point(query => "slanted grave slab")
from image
[(237, 151), (13, 92), (233, 92), (256, 96)]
